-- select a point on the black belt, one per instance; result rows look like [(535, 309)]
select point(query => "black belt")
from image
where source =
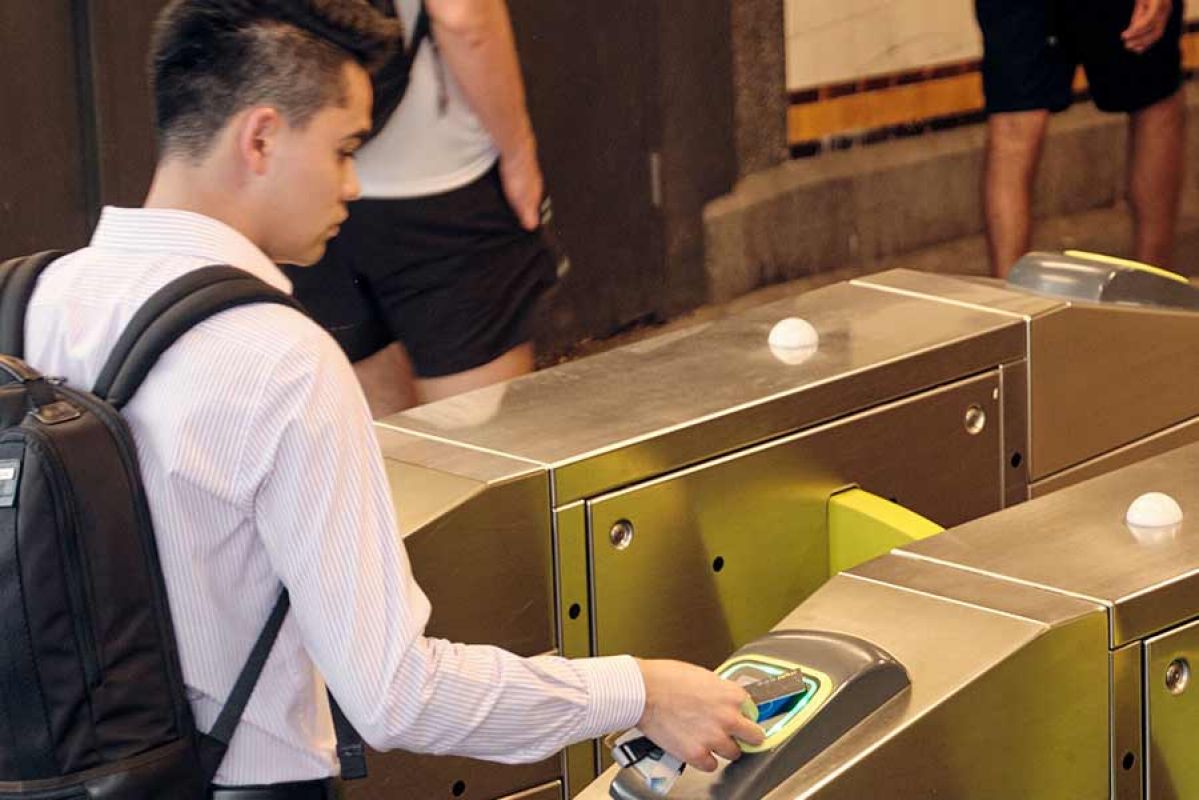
[(301, 790)]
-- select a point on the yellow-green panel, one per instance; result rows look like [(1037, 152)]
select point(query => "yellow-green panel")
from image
[(574, 595), (863, 526)]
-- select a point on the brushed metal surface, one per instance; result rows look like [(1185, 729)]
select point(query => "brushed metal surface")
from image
[(722, 551), (619, 417), (1030, 724), (1013, 383), (986, 293), (1173, 770), (1155, 444), (487, 566), (574, 625), (445, 455), (397, 775), (999, 704), (574, 581), (1104, 376), (972, 589), (551, 791), (1128, 752), (1075, 541)]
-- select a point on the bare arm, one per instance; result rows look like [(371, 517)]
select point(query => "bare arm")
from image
[(476, 42)]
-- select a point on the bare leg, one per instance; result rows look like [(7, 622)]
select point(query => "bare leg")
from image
[(387, 380), (1013, 153), (1155, 169), (517, 361)]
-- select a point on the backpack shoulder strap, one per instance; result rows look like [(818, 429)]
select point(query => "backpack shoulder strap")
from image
[(171, 312), (18, 279), (215, 743), (390, 81)]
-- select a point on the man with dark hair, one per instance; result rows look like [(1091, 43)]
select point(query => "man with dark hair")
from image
[(256, 445), (1131, 52)]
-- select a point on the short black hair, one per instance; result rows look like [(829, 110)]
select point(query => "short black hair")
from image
[(210, 59)]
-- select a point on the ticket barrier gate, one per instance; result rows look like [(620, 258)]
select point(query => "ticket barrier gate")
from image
[(1046, 652), (578, 509)]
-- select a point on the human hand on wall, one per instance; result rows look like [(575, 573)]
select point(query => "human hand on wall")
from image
[(1149, 20), (692, 713)]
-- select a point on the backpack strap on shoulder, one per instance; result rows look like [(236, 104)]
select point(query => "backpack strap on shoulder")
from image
[(390, 80), (215, 743), (171, 312), (18, 279)]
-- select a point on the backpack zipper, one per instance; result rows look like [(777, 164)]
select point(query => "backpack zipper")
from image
[(122, 436), (79, 588)]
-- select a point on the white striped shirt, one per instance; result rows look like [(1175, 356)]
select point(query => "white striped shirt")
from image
[(261, 467)]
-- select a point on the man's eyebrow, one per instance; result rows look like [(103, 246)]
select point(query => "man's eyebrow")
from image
[(357, 137)]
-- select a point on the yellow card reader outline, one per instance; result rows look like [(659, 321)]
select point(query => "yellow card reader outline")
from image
[(1124, 262), (824, 688)]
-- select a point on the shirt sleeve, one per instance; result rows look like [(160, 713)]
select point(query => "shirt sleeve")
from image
[(323, 508)]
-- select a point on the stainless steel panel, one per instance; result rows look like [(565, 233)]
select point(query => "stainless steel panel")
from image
[(574, 624), (1075, 541), (487, 566), (403, 775), (649, 408), (1170, 439), (1013, 383), (551, 791), (1031, 724), (450, 457), (987, 293), (1172, 715), (733, 545), (574, 582), (972, 589), (1128, 752), (579, 765), (1001, 705), (1104, 376)]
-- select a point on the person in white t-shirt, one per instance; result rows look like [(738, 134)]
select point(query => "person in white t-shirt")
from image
[(432, 284)]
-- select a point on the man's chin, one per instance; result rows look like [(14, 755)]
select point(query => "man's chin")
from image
[(306, 259)]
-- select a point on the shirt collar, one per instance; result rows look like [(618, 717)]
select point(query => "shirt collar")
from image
[(185, 233)]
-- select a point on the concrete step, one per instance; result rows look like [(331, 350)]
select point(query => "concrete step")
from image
[(870, 206)]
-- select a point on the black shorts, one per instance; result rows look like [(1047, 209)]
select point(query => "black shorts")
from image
[(453, 277), (1031, 49)]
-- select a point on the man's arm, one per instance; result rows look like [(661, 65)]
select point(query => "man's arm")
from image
[(475, 40), (323, 508), (1148, 23)]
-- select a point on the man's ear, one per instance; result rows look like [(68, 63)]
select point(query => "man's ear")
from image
[(258, 136)]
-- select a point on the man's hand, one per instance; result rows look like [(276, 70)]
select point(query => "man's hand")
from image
[(691, 713), (1149, 20), (523, 185)]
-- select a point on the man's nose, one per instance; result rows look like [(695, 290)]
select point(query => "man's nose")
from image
[(351, 188)]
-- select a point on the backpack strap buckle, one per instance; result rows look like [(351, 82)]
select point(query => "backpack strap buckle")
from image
[(56, 413)]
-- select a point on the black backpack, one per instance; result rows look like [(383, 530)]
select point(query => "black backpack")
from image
[(92, 700)]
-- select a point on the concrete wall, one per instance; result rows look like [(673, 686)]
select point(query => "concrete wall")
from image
[(869, 207)]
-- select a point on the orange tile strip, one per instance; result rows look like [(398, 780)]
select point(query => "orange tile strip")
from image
[(916, 97)]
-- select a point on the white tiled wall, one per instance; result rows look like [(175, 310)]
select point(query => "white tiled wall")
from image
[(831, 41)]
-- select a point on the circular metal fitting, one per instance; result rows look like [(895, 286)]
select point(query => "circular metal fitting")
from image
[(976, 420), (621, 535), (1178, 675)]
